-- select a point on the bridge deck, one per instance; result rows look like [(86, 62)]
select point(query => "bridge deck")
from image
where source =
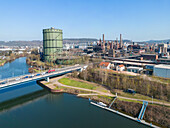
[(58, 72)]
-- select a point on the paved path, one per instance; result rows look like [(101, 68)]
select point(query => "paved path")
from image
[(90, 94), (55, 81)]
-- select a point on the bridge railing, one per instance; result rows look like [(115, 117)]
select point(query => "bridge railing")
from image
[(30, 75)]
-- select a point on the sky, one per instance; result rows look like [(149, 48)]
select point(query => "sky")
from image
[(137, 20)]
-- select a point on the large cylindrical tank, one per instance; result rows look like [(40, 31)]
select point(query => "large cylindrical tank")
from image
[(52, 43)]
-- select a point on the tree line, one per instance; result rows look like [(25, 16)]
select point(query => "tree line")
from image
[(123, 82)]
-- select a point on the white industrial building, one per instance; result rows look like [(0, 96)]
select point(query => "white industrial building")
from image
[(134, 69), (162, 70)]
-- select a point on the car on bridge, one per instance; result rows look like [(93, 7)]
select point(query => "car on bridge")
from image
[(32, 76), (26, 77), (17, 78), (51, 70), (43, 73)]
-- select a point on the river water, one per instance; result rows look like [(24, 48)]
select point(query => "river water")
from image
[(31, 106)]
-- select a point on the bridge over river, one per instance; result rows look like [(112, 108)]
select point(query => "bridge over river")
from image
[(5, 83)]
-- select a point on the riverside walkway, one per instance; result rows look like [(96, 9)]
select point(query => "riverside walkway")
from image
[(55, 81)]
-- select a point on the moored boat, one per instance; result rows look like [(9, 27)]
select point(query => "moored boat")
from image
[(102, 104)]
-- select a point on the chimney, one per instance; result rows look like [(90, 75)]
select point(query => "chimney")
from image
[(121, 41), (103, 44), (100, 41), (103, 38), (112, 45), (117, 43)]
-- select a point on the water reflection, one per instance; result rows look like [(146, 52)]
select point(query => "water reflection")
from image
[(23, 100), (15, 68)]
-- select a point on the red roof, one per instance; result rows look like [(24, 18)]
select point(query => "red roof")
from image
[(104, 64), (121, 65)]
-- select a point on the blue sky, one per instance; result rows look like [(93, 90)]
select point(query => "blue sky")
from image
[(137, 20)]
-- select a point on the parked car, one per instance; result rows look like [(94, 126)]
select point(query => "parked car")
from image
[(130, 91), (38, 74)]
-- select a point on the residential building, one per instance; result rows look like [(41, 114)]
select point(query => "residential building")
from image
[(120, 67), (105, 65)]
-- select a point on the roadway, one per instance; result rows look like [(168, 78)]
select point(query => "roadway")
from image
[(37, 76)]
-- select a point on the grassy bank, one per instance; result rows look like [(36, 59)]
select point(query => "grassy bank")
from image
[(74, 83), (11, 58), (113, 80), (2, 62), (156, 114)]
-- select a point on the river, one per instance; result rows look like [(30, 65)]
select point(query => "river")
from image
[(31, 106)]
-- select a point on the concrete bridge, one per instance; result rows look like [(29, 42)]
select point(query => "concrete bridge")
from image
[(5, 83)]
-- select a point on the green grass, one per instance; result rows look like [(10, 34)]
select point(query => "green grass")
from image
[(166, 80), (108, 97), (2, 61), (138, 96), (128, 100), (47, 83), (74, 83), (36, 70)]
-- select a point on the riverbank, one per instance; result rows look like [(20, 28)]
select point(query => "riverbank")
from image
[(155, 114), (11, 58), (158, 89)]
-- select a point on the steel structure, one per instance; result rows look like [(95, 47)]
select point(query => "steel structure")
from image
[(52, 43)]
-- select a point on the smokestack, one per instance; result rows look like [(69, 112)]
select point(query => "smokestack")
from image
[(112, 45), (103, 38), (100, 41), (117, 43), (103, 44), (121, 41)]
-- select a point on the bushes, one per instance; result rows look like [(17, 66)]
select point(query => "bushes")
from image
[(158, 114), (123, 82)]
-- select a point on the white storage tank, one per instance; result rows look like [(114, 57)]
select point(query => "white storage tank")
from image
[(162, 71)]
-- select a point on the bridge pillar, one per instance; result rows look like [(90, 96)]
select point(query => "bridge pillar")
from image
[(48, 79)]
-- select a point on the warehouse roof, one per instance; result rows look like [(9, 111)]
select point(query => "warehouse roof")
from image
[(131, 63), (162, 66)]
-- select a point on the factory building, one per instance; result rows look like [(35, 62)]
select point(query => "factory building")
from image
[(162, 48), (52, 44), (162, 70)]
